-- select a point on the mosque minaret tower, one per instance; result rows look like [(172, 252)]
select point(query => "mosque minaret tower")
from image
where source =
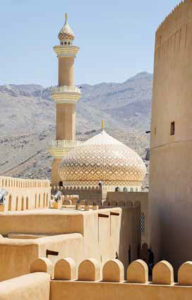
[(65, 96)]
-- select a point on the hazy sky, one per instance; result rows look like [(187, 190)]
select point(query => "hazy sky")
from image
[(116, 38)]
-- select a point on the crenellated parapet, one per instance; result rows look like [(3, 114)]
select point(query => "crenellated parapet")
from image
[(112, 271), (91, 194), (11, 182), (174, 33), (66, 280), (74, 188), (24, 194), (173, 14), (122, 203)]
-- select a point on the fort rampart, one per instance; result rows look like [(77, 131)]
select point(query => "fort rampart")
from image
[(92, 194), (101, 234), (93, 281), (25, 194)]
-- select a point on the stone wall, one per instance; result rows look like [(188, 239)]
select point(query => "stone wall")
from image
[(25, 194)]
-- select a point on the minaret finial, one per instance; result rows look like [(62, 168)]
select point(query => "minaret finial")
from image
[(102, 125), (66, 18)]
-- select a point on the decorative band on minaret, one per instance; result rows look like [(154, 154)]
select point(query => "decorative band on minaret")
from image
[(66, 96)]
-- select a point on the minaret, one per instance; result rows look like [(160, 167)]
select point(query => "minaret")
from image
[(66, 96)]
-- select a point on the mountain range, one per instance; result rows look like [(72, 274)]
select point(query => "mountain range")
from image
[(27, 122)]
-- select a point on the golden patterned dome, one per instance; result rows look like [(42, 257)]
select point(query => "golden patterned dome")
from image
[(102, 158), (66, 33)]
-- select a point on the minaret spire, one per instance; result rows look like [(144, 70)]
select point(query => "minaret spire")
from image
[(102, 125), (66, 18)]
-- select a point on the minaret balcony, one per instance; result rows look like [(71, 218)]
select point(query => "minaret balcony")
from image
[(65, 89), (65, 94), (66, 51), (60, 148)]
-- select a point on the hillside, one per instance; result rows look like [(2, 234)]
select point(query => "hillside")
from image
[(27, 123)]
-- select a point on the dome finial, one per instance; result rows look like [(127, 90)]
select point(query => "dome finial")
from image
[(66, 18), (102, 125), (66, 33)]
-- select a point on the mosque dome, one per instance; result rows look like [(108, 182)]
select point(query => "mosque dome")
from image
[(66, 33), (102, 158)]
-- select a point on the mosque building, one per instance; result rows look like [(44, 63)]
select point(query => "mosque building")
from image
[(100, 160)]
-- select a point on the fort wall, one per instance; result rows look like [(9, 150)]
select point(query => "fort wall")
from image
[(131, 198), (92, 194), (171, 138), (17, 255), (92, 280), (101, 234), (25, 194), (111, 284)]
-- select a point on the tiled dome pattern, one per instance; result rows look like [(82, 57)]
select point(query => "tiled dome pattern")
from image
[(66, 32), (102, 158)]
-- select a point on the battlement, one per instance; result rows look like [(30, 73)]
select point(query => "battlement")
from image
[(74, 188), (11, 182), (174, 32), (173, 14), (91, 270), (92, 193), (24, 194), (121, 203), (90, 281)]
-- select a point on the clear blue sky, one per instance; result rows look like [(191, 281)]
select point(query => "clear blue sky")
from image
[(116, 38)]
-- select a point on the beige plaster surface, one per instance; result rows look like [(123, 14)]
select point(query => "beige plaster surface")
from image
[(17, 255), (29, 287), (114, 291), (48, 221), (66, 71), (122, 198), (55, 177), (102, 234), (65, 121)]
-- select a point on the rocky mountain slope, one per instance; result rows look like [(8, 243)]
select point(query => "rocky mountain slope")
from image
[(27, 122)]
